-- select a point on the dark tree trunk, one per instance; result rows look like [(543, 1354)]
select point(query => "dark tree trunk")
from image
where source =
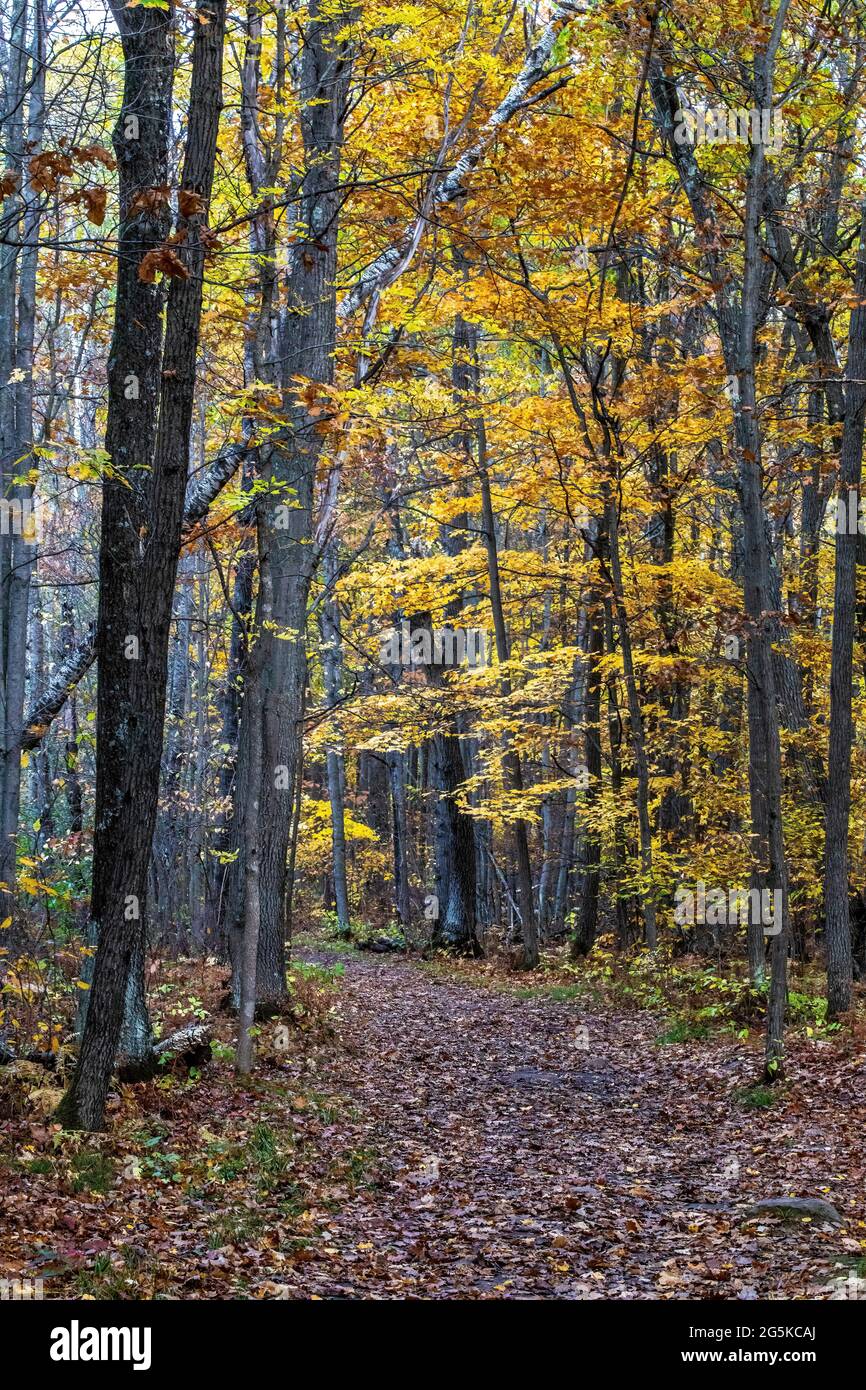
[(332, 664), (147, 439), (837, 929), (397, 763), (454, 928), (738, 316), (510, 760), (586, 925)]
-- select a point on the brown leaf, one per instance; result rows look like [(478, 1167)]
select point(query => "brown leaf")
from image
[(209, 240), (161, 261), (46, 169), (94, 154), (190, 204), (95, 200), (149, 200)]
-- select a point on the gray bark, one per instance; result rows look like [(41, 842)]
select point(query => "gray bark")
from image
[(837, 930)]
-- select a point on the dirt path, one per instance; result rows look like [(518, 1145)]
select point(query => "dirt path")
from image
[(504, 1152)]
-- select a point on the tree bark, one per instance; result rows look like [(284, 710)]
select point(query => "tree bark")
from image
[(332, 664), (18, 327), (289, 468), (147, 439), (837, 928), (738, 316), (586, 925)]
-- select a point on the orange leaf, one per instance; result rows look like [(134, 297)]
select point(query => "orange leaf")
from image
[(149, 200), (190, 204), (161, 261), (95, 200)]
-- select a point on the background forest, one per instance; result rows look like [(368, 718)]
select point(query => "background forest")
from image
[(339, 341)]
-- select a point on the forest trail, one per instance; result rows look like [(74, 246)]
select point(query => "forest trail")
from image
[(518, 1157)]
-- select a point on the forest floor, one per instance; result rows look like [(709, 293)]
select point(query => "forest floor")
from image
[(440, 1133), (532, 1150)]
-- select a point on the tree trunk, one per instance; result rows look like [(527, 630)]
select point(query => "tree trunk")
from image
[(586, 926), (837, 929), (332, 663), (306, 348), (72, 780), (151, 391), (253, 712), (18, 327), (738, 318), (510, 760), (400, 836), (636, 727)]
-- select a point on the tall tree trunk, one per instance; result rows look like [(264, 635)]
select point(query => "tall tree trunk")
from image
[(297, 810), (172, 826), (41, 793), (454, 927), (147, 439), (586, 925), (253, 714), (332, 663), (224, 892), (72, 779), (510, 760), (306, 349), (765, 761), (18, 330), (738, 317), (636, 727), (454, 837), (397, 763), (837, 929)]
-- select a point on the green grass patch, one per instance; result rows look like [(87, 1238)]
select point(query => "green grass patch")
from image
[(92, 1171), (37, 1165), (757, 1097), (684, 1030)]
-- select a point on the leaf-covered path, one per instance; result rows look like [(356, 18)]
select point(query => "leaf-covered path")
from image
[(512, 1146)]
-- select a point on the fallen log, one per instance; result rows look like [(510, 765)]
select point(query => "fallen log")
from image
[(188, 1047), (48, 1060)]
